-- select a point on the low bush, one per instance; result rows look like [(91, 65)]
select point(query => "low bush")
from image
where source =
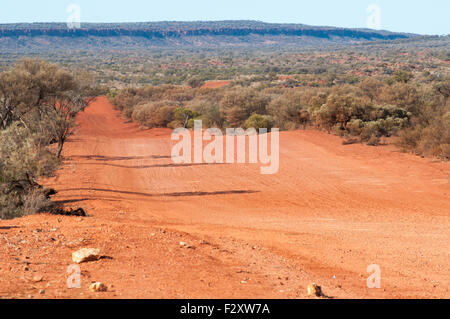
[(154, 114), (289, 111), (431, 137), (22, 160), (183, 117), (239, 104), (258, 121)]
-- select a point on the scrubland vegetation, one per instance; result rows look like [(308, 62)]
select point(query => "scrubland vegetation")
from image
[(38, 105), (380, 98)]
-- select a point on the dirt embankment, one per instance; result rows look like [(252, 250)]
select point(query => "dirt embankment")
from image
[(331, 211)]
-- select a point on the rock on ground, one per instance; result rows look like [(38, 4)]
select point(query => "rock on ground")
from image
[(314, 290), (98, 287), (85, 255)]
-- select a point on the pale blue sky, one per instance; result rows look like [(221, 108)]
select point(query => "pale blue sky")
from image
[(416, 16)]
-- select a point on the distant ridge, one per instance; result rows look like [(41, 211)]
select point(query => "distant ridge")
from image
[(170, 34)]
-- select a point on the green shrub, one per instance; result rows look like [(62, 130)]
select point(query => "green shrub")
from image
[(288, 111), (258, 121), (22, 160), (238, 105), (21, 157), (338, 109), (183, 117), (409, 138), (403, 76), (154, 114), (212, 117), (435, 138)]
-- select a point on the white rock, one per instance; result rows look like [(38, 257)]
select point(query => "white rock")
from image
[(85, 255), (37, 278), (186, 245), (314, 290), (98, 287)]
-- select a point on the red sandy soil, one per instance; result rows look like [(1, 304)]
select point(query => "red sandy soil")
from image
[(331, 211), (215, 84)]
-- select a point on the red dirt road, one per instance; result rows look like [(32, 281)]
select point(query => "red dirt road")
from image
[(331, 211)]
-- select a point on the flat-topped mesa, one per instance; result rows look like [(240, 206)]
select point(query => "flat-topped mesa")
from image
[(218, 33)]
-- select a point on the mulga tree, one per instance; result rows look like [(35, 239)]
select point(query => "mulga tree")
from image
[(38, 105), (40, 95)]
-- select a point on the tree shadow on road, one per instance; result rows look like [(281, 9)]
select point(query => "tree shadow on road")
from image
[(117, 158), (175, 194), (154, 165)]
